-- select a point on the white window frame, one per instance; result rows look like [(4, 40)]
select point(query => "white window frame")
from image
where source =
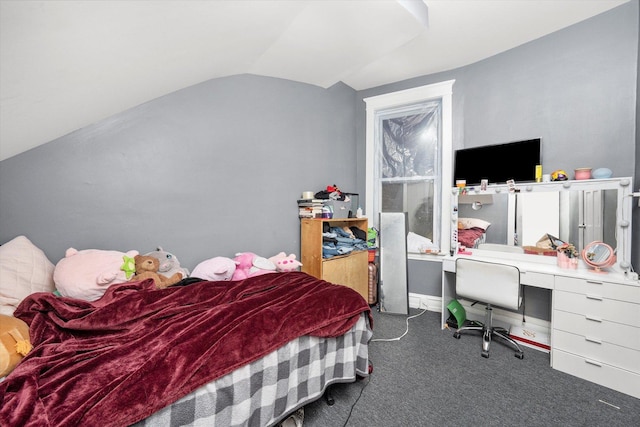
[(442, 91)]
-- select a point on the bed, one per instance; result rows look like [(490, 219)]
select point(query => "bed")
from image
[(246, 352), (472, 231)]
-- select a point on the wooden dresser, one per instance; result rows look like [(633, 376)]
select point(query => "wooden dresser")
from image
[(350, 270)]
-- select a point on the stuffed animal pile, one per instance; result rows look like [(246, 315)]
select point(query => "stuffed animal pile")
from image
[(87, 274), (244, 265)]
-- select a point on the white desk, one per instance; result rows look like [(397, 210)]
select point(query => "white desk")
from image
[(595, 317)]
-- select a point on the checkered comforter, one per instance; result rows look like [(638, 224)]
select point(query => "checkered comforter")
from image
[(264, 392)]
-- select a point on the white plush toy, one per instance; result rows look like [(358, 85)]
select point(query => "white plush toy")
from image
[(215, 269), (87, 274)]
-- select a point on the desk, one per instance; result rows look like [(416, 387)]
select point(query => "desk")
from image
[(595, 322)]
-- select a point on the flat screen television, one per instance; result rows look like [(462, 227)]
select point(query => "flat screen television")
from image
[(498, 163)]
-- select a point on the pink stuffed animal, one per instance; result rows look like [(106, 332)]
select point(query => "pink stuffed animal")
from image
[(88, 273), (249, 264), (284, 262), (215, 269)]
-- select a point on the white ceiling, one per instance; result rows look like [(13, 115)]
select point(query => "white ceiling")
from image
[(67, 64)]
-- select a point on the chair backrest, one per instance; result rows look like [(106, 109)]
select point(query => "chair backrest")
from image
[(496, 284)]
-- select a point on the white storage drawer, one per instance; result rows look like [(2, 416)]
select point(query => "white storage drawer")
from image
[(593, 348), (539, 280), (629, 293), (614, 333), (595, 306), (615, 378)]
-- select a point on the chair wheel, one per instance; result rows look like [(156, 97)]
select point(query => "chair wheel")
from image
[(485, 354), (456, 335), (520, 355)]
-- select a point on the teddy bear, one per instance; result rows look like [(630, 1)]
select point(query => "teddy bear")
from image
[(14, 343), (284, 262), (249, 264), (169, 263), (147, 268), (86, 274), (215, 269)]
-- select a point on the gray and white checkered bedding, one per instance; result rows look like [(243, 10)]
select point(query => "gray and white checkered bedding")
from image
[(264, 392)]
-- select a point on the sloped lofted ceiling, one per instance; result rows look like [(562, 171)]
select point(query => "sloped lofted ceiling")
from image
[(67, 64)]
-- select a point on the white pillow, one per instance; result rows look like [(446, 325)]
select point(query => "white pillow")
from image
[(24, 269), (466, 223)]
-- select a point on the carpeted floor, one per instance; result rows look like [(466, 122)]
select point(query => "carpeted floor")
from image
[(430, 378)]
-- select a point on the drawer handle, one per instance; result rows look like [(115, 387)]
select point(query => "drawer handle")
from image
[(593, 362), (594, 297), (593, 340), (593, 319), (593, 282)]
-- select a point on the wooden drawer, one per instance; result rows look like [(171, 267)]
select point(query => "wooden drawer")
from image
[(617, 379), (589, 326), (629, 293), (595, 349), (625, 313), (539, 280)]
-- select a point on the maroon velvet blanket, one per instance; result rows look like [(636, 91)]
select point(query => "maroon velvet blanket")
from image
[(469, 236), (117, 360)]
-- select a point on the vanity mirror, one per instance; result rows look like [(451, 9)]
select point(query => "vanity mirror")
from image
[(579, 212), (598, 255)]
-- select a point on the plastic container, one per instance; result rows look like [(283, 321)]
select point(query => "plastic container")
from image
[(583, 173)]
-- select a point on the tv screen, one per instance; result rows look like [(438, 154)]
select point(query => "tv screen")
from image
[(498, 163)]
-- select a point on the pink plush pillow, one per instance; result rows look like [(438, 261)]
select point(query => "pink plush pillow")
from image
[(88, 273), (24, 269)]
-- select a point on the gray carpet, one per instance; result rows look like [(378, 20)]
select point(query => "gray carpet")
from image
[(430, 378)]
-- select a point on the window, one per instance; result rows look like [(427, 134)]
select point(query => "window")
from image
[(409, 155)]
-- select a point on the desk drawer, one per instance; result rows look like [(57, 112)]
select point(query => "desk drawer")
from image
[(614, 333), (539, 280), (596, 350), (608, 376), (597, 307), (628, 293)]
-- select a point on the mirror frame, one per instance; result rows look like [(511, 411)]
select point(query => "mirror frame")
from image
[(623, 211)]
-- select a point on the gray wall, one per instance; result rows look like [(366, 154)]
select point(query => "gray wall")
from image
[(211, 170), (576, 89), (216, 168)]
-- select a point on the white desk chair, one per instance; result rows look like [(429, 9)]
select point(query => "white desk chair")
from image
[(492, 284)]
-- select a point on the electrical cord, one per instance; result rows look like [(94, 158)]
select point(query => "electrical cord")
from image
[(406, 330), (356, 402), (382, 340)]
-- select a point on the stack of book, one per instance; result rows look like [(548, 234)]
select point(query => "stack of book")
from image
[(310, 208)]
